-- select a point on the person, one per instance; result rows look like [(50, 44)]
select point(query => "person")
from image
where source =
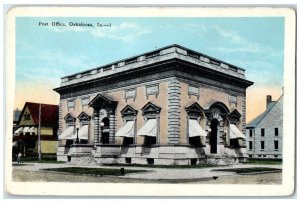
[(19, 157)]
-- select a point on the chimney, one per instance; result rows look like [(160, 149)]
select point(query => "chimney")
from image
[(269, 100)]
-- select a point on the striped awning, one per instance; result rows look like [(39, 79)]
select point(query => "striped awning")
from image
[(127, 130), (149, 129), (25, 130), (19, 131), (195, 129), (67, 134), (32, 130), (235, 133)]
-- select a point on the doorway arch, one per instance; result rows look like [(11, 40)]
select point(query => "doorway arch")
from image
[(217, 116), (213, 141), (104, 130)]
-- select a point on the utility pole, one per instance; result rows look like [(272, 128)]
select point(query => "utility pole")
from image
[(39, 134)]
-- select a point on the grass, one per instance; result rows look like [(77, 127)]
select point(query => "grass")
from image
[(267, 162), (93, 171), (44, 160), (249, 170), (165, 166), (16, 164)]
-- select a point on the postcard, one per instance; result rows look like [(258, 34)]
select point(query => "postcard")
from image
[(150, 101)]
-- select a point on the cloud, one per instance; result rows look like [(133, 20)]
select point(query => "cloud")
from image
[(230, 35), (243, 46), (126, 32)]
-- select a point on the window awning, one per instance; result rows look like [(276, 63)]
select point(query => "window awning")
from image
[(235, 133), (19, 131), (15, 144), (195, 129), (83, 133), (25, 130), (67, 134), (149, 129), (127, 130), (31, 130)]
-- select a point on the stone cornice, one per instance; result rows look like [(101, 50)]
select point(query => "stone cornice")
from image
[(163, 54), (166, 69)]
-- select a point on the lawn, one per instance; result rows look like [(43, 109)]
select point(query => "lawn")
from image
[(267, 162), (44, 160), (249, 170), (93, 171)]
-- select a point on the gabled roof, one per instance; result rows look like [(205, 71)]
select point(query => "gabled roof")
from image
[(70, 117), (150, 108), (259, 118), (195, 107), (49, 113), (128, 110), (84, 116), (102, 98)]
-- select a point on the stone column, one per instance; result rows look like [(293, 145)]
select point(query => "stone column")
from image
[(112, 127), (60, 122), (244, 116), (173, 111), (96, 127)]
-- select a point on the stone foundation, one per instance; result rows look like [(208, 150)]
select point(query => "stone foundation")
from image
[(154, 155)]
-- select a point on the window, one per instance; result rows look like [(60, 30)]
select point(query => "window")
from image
[(85, 101), (262, 145), (26, 116), (276, 131), (71, 105), (150, 129), (250, 145), (262, 131), (275, 144), (250, 133)]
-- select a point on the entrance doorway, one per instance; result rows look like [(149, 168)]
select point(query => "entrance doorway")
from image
[(105, 131), (213, 141)]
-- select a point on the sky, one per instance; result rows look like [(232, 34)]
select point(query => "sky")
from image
[(44, 54)]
